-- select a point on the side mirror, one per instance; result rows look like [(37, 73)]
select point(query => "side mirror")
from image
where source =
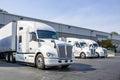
[(53, 41)]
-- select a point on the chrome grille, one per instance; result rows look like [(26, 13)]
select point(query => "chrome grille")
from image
[(105, 51), (69, 51), (92, 51), (62, 52), (65, 51)]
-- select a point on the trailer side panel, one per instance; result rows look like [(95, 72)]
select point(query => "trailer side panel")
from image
[(8, 37)]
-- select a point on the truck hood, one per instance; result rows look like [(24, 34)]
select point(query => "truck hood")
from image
[(99, 49), (85, 49), (49, 45)]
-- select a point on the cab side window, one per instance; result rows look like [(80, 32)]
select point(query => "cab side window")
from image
[(20, 39), (33, 36), (77, 44), (20, 28)]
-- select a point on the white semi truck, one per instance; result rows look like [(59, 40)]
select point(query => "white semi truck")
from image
[(118, 49), (100, 51), (34, 42), (80, 48)]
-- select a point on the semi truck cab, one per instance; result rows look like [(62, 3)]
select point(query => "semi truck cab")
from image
[(83, 50), (100, 51), (37, 43), (80, 48)]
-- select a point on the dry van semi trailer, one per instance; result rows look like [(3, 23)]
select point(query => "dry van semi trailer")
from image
[(34, 42), (80, 48)]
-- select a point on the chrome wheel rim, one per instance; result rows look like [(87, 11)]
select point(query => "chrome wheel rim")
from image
[(82, 55), (40, 61)]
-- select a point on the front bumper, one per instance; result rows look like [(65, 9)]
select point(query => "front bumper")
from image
[(102, 54), (91, 55), (105, 55), (57, 62)]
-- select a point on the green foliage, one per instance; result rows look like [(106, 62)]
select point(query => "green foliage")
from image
[(107, 44), (114, 33), (1, 10)]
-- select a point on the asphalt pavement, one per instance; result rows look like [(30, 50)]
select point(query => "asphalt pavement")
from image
[(82, 69)]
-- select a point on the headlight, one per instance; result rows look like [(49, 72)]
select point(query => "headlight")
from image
[(50, 55)]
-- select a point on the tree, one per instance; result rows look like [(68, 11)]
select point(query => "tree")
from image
[(107, 44), (114, 33), (1, 10)]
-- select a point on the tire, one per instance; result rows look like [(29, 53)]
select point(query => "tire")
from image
[(39, 62), (12, 59), (7, 57), (65, 66), (97, 55), (83, 55)]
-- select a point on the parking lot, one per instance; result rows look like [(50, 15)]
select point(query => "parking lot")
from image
[(83, 69)]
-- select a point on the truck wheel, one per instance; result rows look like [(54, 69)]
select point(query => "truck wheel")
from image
[(7, 58), (97, 55), (12, 59), (82, 55), (39, 62)]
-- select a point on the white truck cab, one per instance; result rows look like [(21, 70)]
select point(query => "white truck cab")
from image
[(100, 51), (118, 49), (80, 48), (34, 42)]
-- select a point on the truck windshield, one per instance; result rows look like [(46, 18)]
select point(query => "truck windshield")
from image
[(83, 44), (95, 45), (47, 34)]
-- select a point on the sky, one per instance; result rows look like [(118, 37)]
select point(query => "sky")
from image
[(101, 15)]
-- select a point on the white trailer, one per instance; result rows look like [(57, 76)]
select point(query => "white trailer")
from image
[(100, 51), (80, 48), (34, 42)]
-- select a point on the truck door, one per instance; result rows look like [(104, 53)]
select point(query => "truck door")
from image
[(33, 43), (77, 49), (22, 45)]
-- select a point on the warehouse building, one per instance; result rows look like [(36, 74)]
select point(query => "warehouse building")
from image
[(63, 29)]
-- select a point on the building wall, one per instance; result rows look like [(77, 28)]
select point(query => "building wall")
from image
[(64, 30)]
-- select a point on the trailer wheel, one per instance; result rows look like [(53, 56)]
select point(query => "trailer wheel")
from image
[(7, 58), (39, 62), (82, 55)]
